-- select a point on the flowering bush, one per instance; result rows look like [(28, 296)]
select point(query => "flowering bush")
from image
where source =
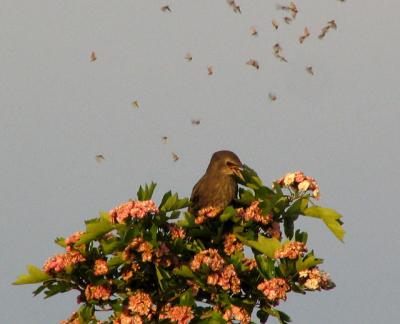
[(147, 264)]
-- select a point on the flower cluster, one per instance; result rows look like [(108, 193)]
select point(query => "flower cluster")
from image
[(227, 279), (125, 318), (274, 289), (135, 209), (140, 245), (176, 231), (73, 319), (291, 250), (208, 212), (210, 258), (232, 244), (315, 279), (60, 262), (221, 275), (72, 239), (236, 313), (101, 292), (254, 213), (178, 314), (100, 267), (300, 182), (250, 263), (141, 304)]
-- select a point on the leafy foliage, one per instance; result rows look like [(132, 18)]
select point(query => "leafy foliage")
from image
[(155, 264)]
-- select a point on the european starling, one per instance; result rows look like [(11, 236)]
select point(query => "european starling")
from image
[(217, 187)]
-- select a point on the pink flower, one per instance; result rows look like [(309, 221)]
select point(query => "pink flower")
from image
[(101, 292), (140, 303), (209, 257), (315, 279), (291, 250), (289, 179), (304, 185), (179, 314), (59, 262), (128, 319), (236, 313), (274, 289), (135, 209), (250, 263), (254, 213), (100, 267), (73, 319), (231, 244), (176, 232)]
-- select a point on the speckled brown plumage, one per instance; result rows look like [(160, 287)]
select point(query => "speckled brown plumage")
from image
[(217, 187)]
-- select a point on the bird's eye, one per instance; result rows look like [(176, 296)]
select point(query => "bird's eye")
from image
[(229, 164)]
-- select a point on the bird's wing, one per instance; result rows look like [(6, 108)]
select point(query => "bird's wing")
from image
[(195, 197)]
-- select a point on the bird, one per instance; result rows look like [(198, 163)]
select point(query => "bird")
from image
[(166, 8), (254, 63), (217, 188), (195, 121)]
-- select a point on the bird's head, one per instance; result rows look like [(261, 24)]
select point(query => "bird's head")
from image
[(227, 163)]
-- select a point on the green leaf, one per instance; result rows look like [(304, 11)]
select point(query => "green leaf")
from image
[(265, 245), (60, 241), (288, 226), (308, 261), (228, 213), (186, 298), (95, 230), (86, 313), (169, 203), (246, 197), (330, 217), (34, 275), (266, 266), (301, 236), (147, 192), (184, 271), (115, 261), (279, 315), (162, 277)]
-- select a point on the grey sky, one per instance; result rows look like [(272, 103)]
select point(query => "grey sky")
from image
[(58, 110)]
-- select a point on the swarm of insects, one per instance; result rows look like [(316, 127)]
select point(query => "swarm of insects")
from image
[(253, 63), (175, 157), (188, 57), (235, 7), (305, 35), (277, 50), (292, 8), (93, 57), (253, 31), (272, 96), (310, 70), (166, 8), (329, 25), (135, 104), (100, 158)]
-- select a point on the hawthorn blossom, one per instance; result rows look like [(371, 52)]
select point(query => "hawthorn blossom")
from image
[(179, 314), (274, 289), (176, 231), (250, 263), (59, 262), (315, 279), (291, 250), (207, 212), (72, 239), (140, 245), (135, 209), (227, 279), (275, 230), (300, 182), (100, 267), (209, 257), (232, 244), (254, 213), (128, 319), (73, 319), (236, 313), (101, 292), (140, 303)]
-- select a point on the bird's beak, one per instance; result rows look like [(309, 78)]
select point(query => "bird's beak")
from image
[(237, 171)]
